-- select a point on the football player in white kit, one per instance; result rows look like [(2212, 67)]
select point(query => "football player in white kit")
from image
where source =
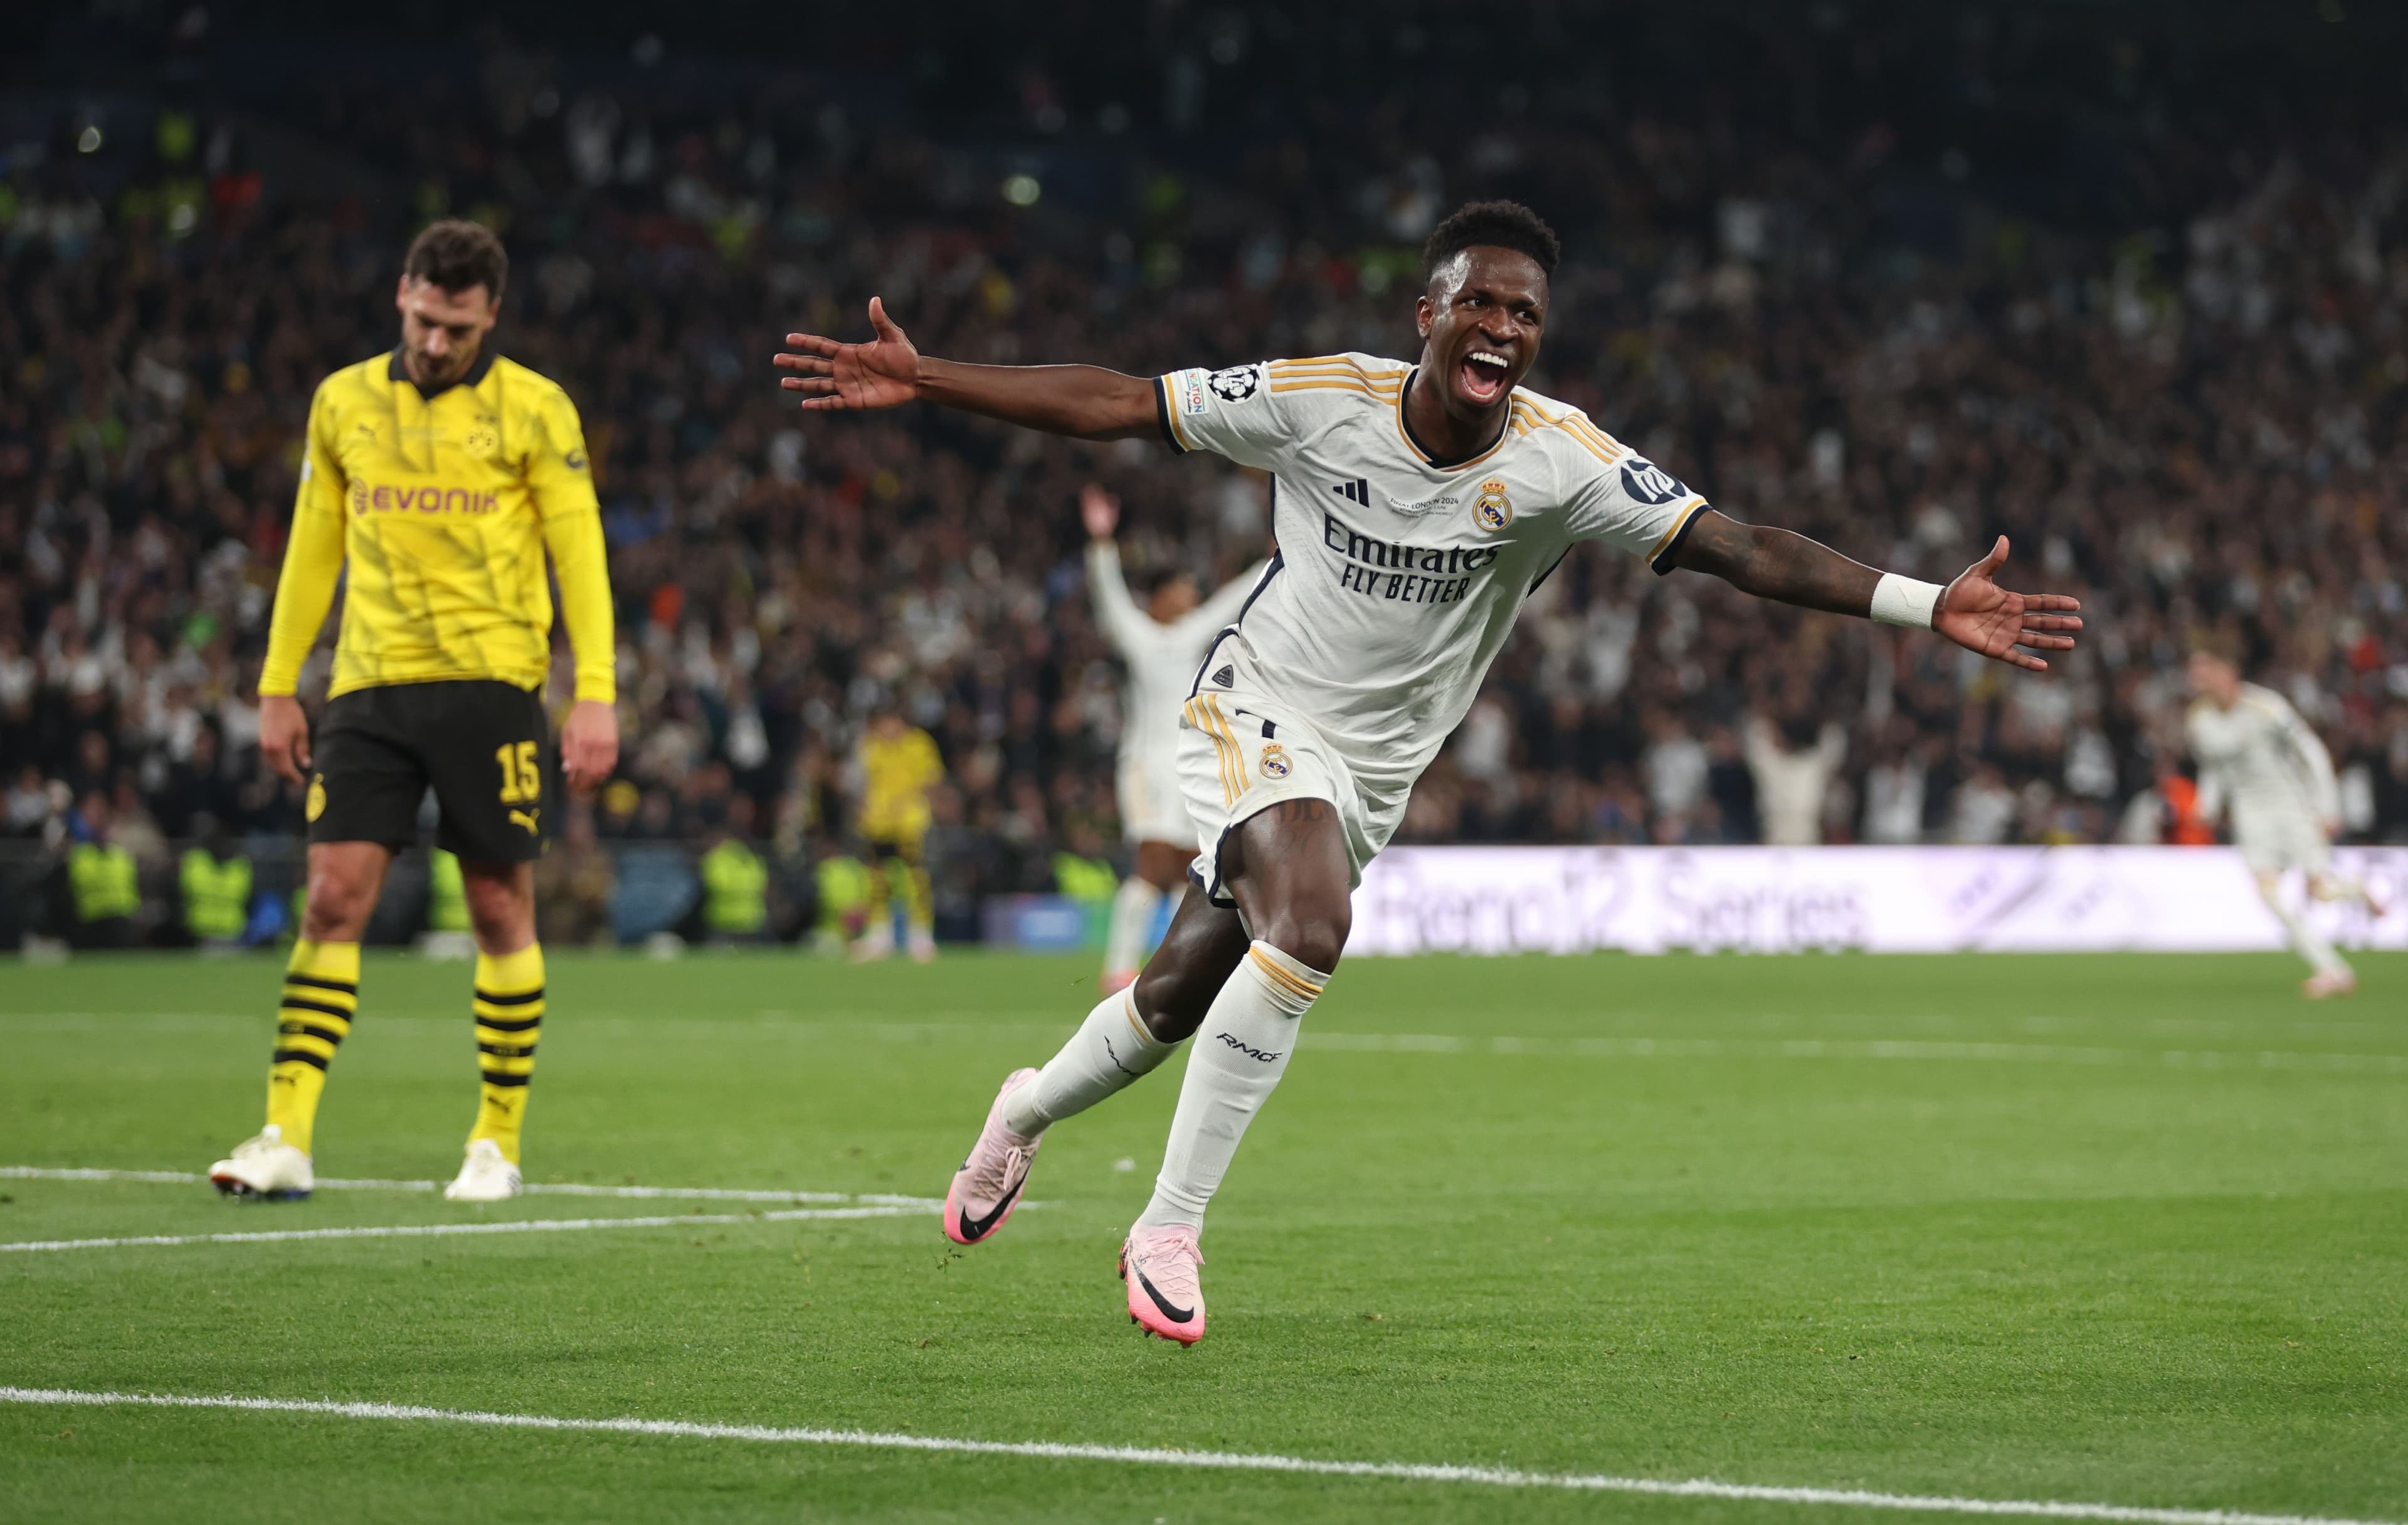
[(1415, 508), (2258, 759), (1160, 644)]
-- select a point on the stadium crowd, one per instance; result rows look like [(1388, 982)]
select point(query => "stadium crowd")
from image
[(2199, 431)]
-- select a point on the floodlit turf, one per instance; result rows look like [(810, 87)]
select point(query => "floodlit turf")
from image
[(2132, 1230)]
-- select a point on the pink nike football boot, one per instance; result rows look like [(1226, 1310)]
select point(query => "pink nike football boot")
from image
[(987, 1186), (1165, 1296)]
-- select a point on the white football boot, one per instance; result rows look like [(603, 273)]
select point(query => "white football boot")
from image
[(484, 1176), (264, 1167)]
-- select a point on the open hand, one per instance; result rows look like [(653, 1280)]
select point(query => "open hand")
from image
[(883, 373), (1981, 616), (1099, 511)]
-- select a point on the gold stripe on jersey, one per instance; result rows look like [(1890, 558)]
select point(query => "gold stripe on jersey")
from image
[(439, 511), (1375, 394), (1333, 361), (1364, 374)]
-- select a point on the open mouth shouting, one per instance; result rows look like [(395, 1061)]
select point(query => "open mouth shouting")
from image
[(1483, 377)]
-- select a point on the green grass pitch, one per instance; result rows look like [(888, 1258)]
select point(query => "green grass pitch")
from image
[(2121, 1229)]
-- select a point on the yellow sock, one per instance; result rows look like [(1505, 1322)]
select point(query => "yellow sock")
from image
[(321, 995), (510, 1016)]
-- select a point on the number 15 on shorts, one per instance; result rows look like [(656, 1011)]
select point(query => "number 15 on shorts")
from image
[(522, 773)]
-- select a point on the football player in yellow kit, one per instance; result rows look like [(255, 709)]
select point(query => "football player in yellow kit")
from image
[(435, 481), (898, 764)]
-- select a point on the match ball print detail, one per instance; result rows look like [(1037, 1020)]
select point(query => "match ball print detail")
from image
[(1274, 763), (1236, 383), (1491, 510)]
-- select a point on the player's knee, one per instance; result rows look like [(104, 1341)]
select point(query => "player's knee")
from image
[(339, 902), (1313, 933), (500, 911), (1172, 1000)]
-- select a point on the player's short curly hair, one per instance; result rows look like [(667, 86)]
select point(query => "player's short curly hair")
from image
[(456, 255), (1497, 224)]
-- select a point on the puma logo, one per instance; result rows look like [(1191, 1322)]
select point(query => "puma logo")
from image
[(527, 819)]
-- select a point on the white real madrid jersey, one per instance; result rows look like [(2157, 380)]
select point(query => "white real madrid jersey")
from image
[(1397, 578), (2260, 755)]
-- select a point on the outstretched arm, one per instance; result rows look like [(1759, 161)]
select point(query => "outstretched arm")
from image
[(1973, 610), (1086, 402)]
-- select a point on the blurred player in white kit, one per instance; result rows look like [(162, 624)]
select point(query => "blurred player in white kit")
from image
[(1160, 644), (2259, 760)]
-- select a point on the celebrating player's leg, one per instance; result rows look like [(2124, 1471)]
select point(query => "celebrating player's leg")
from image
[(1415, 508), (439, 672)]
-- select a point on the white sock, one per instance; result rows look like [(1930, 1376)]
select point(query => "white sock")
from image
[(2306, 942), (1240, 1054), (1110, 1049), (1133, 912)]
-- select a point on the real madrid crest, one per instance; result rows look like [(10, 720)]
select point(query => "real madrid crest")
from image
[(1491, 510), (1275, 764)]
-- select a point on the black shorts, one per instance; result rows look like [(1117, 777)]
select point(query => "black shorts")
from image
[(484, 747)]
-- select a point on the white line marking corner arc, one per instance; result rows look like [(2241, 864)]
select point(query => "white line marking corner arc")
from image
[(1212, 1460)]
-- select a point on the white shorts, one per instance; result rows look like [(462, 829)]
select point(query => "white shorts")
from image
[(2274, 838), (1152, 807), (1242, 751)]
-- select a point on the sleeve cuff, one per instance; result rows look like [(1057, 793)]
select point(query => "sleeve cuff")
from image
[(1667, 553), (1162, 415)]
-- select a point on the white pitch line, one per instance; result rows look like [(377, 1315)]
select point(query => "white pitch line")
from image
[(1411, 1472), (533, 1188), (1847, 1048), (437, 1230)]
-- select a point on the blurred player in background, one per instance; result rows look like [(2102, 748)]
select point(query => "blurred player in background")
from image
[(2258, 759), (435, 480), (1415, 506), (1160, 644), (897, 764)]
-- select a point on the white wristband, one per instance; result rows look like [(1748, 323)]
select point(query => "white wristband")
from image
[(1902, 600)]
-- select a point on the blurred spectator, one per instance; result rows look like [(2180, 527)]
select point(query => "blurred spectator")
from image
[(213, 883), (104, 892), (1793, 765)]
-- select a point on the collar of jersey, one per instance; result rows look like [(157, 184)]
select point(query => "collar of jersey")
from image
[(1422, 451), (397, 370)]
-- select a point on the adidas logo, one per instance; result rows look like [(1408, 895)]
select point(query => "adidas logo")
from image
[(1358, 491), (1226, 677)]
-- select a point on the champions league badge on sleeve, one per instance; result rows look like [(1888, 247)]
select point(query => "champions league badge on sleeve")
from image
[(1491, 510), (1236, 383)]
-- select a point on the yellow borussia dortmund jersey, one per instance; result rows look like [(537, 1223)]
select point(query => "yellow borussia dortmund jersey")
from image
[(897, 776), (442, 508)]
